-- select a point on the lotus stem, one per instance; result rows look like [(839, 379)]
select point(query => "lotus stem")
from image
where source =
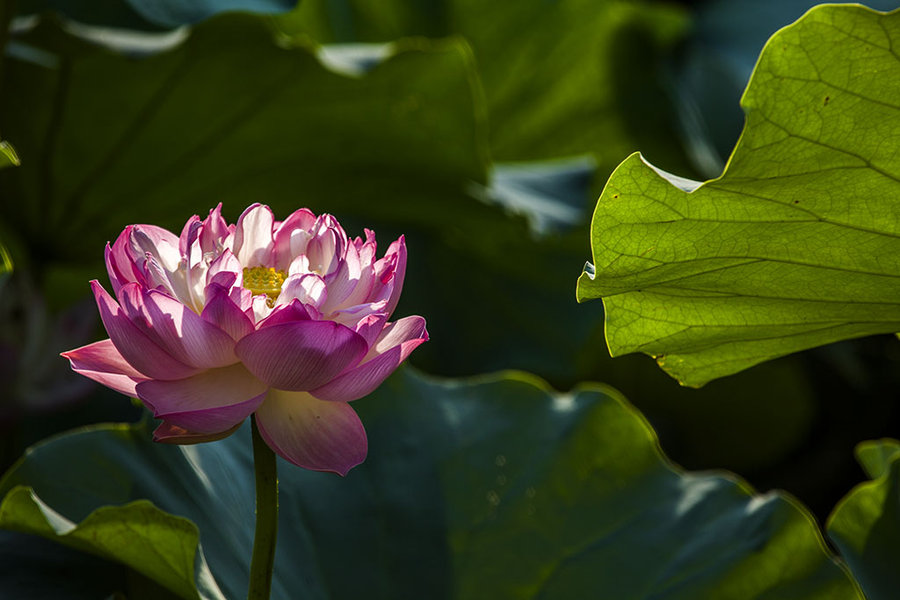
[(263, 561)]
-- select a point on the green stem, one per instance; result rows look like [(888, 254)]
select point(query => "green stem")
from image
[(263, 561)]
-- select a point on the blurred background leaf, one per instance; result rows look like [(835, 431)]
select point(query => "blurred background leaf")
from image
[(574, 77), (489, 488), (711, 70), (8, 156), (149, 14)]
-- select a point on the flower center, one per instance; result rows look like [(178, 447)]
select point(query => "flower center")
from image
[(262, 280)]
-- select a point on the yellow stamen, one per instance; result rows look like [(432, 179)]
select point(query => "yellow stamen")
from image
[(262, 280)]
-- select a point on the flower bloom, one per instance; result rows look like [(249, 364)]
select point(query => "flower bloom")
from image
[(288, 320)]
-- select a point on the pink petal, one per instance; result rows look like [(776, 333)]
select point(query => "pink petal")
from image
[(253, 242), (155, 277), (322, 436), (300, 355), (398, 332), (136, 348), (104, 364), (392, 279), (189, 234), (363, 288), (286, 313), (370, 327), (259, 308), (225, 270), (243, 298), (177, 329), (214, 231), (308, 288), (291, 237), (160, 243), (352, 316), (167, 433), (209, 402), (119, 263), (394, 345), (327, 247), (221, 311), (344, 281)]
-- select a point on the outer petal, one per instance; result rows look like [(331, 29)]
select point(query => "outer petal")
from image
[(393, 346), (104, 364), (371, 327), (323, 436), (177, 329), (286, 313), (221, 311), (209, 402), (300, 355), (354, 315), (167, 433), (119, 263), (253, 242), (136, 348)]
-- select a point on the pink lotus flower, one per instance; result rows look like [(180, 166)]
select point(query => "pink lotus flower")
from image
[(285, 319)]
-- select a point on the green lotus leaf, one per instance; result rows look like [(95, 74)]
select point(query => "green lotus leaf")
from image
[(587, 80), (156, 544), (797, 244), (488, 488), (865, 525)]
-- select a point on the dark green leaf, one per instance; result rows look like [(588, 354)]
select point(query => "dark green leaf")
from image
[(38, 569), (139, 535), (876, 456), (149, 14), (204, 123), (796, 244), (587, 80), (495, 488), (865, 525)]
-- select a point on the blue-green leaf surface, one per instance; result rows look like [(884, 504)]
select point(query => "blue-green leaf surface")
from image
[(149, 14), (493, 488)]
